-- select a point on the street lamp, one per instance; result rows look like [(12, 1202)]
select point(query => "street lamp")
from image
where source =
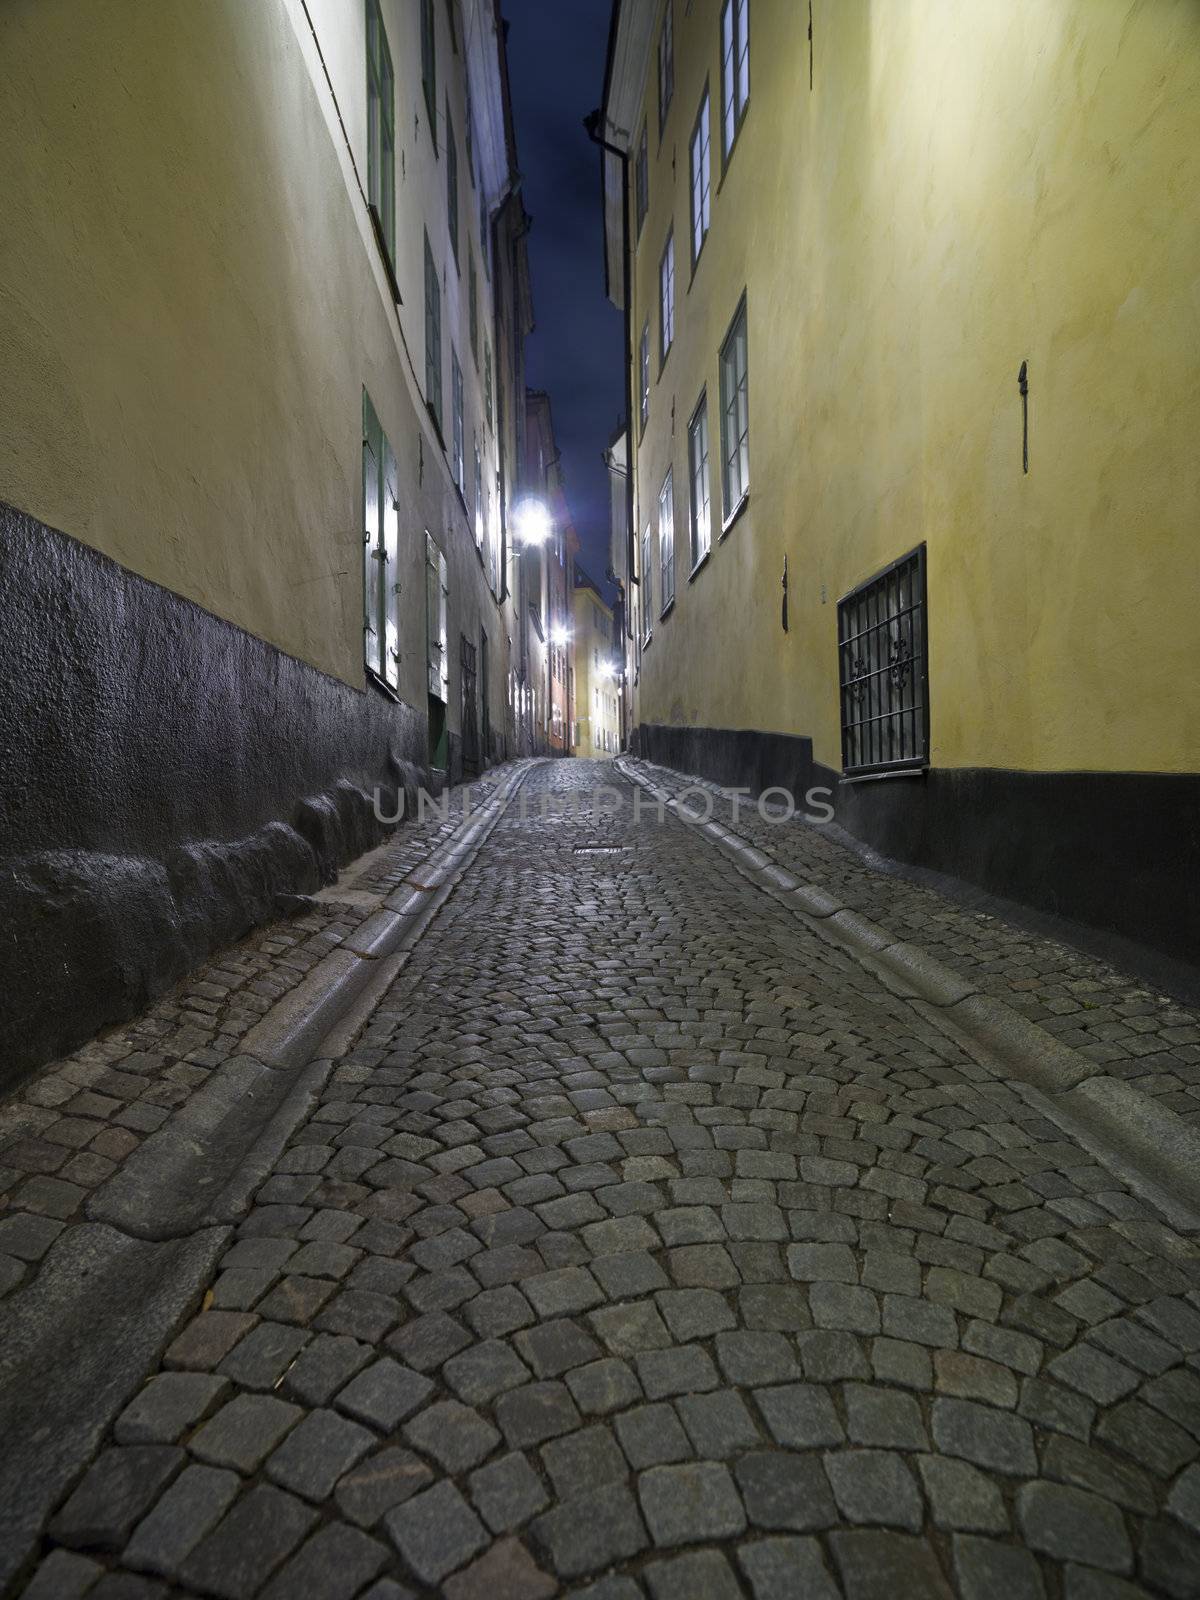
[(531, 521), (560, 635)]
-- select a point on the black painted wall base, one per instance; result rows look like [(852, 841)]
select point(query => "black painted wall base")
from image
[(1119, 851), (165, 777)]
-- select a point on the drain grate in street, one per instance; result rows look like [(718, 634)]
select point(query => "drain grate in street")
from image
[(600, 849)]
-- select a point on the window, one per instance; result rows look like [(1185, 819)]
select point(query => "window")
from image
[(641, 170), (479, 511), (666, 288), (381, 130), (647, 587), (666, 67), (452, 183), (436, 596), (644, 369), (487, 381), (457, 465), (485, 242), (735, 415), (433, 336), (429, 65), (883, 669), (735, 70), (473, 305), (666, 543), (381, 552), (701, 181), (698, 474)]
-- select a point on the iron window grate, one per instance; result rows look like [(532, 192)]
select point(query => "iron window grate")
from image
[(883, 662)]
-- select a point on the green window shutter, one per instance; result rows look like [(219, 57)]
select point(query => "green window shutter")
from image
[(390, 576)]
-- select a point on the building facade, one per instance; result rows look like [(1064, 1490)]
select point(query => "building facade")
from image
[(913, 407), (598, 664), (261, 306), (545, 545)]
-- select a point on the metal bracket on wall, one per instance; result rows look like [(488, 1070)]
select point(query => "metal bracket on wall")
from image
[(1023, 387)]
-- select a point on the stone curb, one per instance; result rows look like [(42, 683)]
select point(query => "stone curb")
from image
[(1153, 1142), (190, 1169)]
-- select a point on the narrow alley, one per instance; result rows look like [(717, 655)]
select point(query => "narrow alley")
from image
[(599, 800), (638, 1241)]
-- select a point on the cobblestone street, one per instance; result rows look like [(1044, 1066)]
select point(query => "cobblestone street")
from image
[(645, 1245)]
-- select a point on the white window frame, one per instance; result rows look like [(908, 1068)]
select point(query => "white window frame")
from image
[(666, 298), (700, 164), (700, 496), (381, 552), (647, 586), (735, 413), (735, 72), (666, 543), (437, 591)]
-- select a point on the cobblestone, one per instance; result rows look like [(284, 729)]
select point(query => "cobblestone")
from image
[(673, 1264), (1136, 1033)]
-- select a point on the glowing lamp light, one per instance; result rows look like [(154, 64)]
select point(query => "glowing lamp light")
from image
[(531, 522), (560, 635)]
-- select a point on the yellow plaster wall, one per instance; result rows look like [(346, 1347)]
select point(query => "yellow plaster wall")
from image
[(967, 185), (587, 640)]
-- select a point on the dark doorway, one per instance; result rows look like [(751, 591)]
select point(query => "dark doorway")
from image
[(485, 698), (470, 709)]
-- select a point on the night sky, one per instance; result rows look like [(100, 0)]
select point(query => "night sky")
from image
[(556, 52)]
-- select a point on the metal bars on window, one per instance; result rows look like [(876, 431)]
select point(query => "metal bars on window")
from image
[(883, 661)]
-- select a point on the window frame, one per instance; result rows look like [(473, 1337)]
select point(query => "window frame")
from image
[(735, 84), (732, 504), (429, 66), (457, 431), (641, 180), (666, 66), (437, 599), (480, 525), (703, 117), (697, 424), (452, 185), (644, 376), (434, 397), (666, 298), (647, 585), (381, 552), (381, 130), (877, 685), (666, 543)]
